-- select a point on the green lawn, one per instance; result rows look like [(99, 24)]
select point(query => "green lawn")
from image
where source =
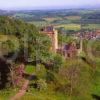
[(30, 69), (36, 95), (7, 93)]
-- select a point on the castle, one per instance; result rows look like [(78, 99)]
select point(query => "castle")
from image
[(53, 34), (67, 50)]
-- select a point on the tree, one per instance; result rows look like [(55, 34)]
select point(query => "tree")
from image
[(64, 38), (33, 45), (39, 49), (58, 62), (78, 75), (25, 40)]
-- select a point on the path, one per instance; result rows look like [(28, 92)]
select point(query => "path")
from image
[(23, 89)]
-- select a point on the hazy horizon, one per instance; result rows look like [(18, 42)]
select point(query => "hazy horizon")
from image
[(47, 4)]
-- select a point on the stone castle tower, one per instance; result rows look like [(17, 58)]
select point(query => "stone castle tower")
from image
[(53, 34), (55, 39), (81, 46)]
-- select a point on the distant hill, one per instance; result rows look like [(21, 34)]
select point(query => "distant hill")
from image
[(2, 12), (88, 15)]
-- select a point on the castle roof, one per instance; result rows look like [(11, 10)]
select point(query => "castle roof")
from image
[(69, 46), (47, 29)]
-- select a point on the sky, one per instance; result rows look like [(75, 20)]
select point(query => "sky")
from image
[(36, 4)]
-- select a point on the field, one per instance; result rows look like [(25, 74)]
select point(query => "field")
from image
[(51, 19), (68, 22), (59, 23), (39, 23), (66, 26), (22, 15), (69, 26), (72, 18), (92, 26)]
